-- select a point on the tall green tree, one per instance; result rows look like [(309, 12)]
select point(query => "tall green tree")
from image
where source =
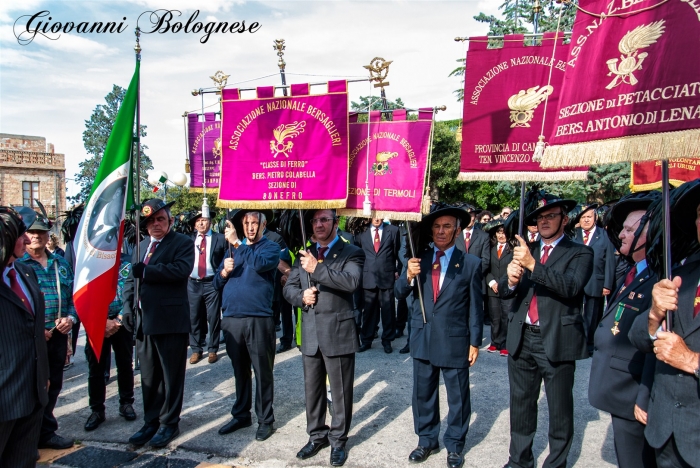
[(97, 131)]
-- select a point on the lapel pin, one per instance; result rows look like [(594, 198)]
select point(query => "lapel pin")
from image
[(631, 296), (456, 265), (335, 255), (640, 296)]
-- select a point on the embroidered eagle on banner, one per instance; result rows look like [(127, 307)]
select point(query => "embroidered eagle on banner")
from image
[(282, 132), (639, 38), (522, 105)]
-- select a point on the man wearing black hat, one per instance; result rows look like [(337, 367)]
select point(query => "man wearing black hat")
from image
[(446, 338), (545, 330), (621, 376), (25, 371), (475, 242), (322, 283), (602, 280), (162, 321), (673, 421), (205, 300)]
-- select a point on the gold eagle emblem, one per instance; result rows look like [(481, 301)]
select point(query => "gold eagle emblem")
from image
[(630, 61), (522, 105), (217, 148), (381, 165), (282, 132)]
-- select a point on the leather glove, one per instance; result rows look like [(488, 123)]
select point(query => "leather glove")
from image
[(128, 321), (138, 270)]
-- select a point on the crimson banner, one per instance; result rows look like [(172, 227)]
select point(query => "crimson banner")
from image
[(646, 175), (285, 152), (507, 91), (204, 144), (391, 156), (632, 84)]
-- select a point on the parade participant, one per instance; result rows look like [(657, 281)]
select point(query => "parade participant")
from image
[(621, 376), (475, 242), (322, 283), (246, 281), (25, 371), (162, 321), (381, 244), (53, 247), (532, 234), (501, 255), (603, 278), (55, 278), (119, 339), (545, 332), (485, 217), (505, 212), (205, 300), (673, 421)]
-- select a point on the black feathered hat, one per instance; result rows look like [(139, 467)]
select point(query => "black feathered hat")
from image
[(639, 201), (544, 201), (151, 207)]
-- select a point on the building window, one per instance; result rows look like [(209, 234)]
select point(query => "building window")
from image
[(30, 192)]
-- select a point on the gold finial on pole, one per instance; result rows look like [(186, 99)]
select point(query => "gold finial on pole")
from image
[(279, 47), (137, 47), (378, 71), (220, 79)]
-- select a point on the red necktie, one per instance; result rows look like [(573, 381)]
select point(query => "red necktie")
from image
[(532, 311), (377, 241), (436, 274), (202, 263), (500, 250), (629, 278), (532, 237), (17, 289), (150, 252), (585, 236), (696, 308), (322, 253), (467, 236)]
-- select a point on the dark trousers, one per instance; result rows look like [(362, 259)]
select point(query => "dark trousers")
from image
[(668, 456), (426, 405), (401, 314), (75, 331), (498, 312), (592, 313), (205, 314), (287, 318), (57, 348), (379, 303), (19, 439), (163, 361), (341, 374), (631, 448), (525, 375), (250, 341), (121, 342)]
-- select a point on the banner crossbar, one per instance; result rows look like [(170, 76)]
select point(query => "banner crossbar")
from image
[(218, 91)]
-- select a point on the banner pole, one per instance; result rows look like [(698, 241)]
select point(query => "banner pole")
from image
[(137, 195), (303, 241), (665, 189), (521, 217), (413, 255)]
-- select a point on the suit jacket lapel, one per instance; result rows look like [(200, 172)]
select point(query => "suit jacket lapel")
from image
[(557, 252), (7, 294), (385, 235), (638, 280), (426, 272), (452, 266), (33, 291), (156, 254), (332, 254)]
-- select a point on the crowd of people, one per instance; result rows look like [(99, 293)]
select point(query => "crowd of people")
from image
[(557, 283)]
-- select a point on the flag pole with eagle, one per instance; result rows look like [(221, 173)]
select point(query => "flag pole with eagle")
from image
[(101, 229)]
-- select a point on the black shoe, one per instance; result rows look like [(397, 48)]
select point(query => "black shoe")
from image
[(164, 436), (364, 347), (282, 348), (234, 425), (421, 454), (56, 442), (264, 431), (311, 449), (144, 434), (338, 456), (94, 421), (388, 349), (455, 460), (127, 412), (406, 349)]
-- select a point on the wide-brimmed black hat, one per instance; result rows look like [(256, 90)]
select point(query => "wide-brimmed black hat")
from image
[(438, 210), (684, 211), (198, 214), (492, 226), (546, 201), (639, 201), (27, 215), (151, 207), (237, 219)]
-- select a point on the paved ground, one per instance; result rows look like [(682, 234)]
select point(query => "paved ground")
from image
[(382, 427)]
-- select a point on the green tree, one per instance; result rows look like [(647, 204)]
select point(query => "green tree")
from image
[(95, 136), (376, 104)]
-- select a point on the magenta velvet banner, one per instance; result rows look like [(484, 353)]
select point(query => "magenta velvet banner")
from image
[(504, 103), (632, 84), (393, 157), (285, 152), (204, 136)]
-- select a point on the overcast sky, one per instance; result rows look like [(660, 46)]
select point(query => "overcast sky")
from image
[(50, 87)]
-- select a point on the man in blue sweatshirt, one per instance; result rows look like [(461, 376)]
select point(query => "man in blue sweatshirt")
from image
[(246, 279)]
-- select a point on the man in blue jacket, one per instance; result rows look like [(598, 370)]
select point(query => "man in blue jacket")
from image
[(246, 279)]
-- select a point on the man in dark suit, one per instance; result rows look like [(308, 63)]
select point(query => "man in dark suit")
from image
[(621, 375), (322, 283), (205, 300), (475, 242), (545, 330), (447, 338), (602, 280), (673, 421), (381, 244), (162, 321), (501, 255), (532, 234), (25, 371)]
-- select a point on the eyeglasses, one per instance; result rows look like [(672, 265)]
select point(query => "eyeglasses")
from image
[(548, 217), (316, 221)]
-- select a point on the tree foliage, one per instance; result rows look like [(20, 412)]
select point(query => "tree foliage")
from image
[(97, 131)]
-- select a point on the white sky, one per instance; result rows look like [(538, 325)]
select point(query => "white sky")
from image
[(50, 87)]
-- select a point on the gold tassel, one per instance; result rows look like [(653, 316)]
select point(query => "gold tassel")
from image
[(187, 167), (281, 204), (425, 205), (515, 176), (539, 149)]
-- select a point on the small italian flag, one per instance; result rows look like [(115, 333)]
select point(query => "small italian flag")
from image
[(100, 232)]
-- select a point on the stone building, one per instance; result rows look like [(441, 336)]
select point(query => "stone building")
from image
[(30, 169)]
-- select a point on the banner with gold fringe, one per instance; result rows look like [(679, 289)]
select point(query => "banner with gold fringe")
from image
[(646, 175), (631, 90), (510, 97), (286, 151), (204, 147)]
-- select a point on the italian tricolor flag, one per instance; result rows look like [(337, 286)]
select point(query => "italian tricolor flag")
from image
[(100, 233)]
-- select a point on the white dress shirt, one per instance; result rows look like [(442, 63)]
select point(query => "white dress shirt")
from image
[(197, 243), (444, 262)]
